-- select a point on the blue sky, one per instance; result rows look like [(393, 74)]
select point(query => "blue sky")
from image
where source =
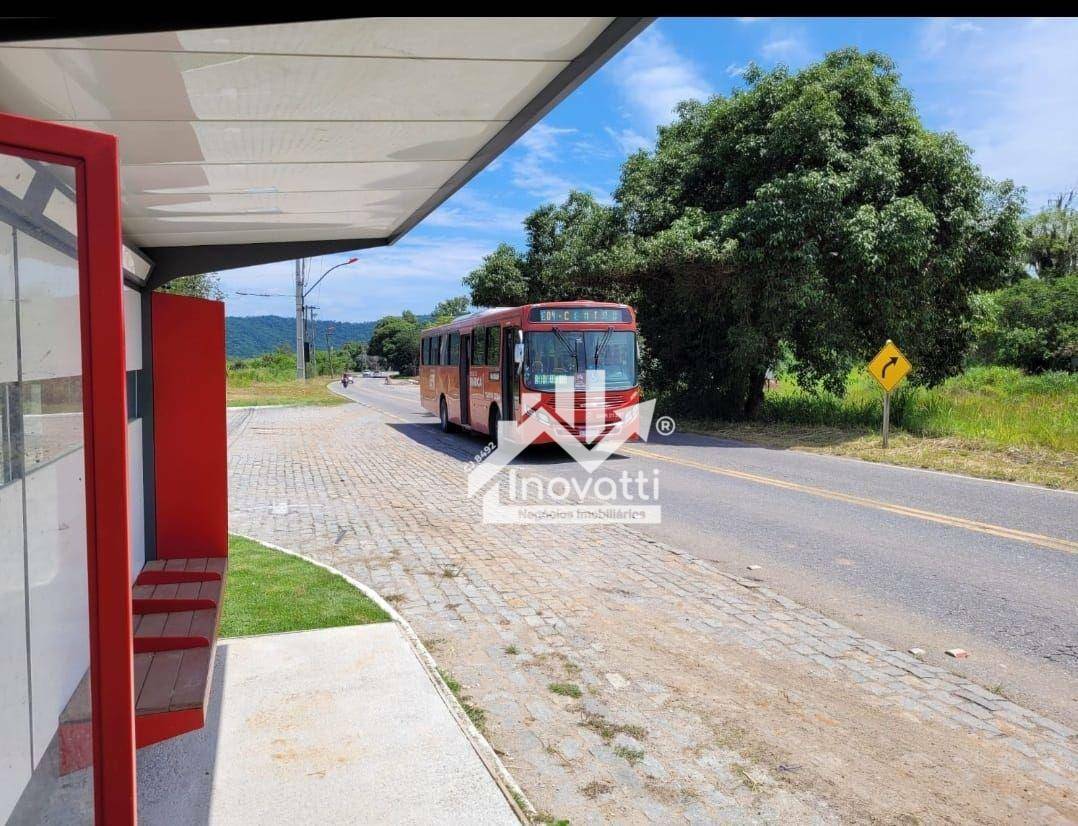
[(1006, 87)]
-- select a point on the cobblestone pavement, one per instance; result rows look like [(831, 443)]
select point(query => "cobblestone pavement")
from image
[(701, 698)]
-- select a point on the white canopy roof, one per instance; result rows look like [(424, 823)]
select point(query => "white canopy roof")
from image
[(256, 143)]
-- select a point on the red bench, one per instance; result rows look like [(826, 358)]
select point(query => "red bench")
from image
[(177, 611)]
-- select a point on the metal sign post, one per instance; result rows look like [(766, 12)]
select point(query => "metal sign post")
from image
[(888, 368), (886, 417)]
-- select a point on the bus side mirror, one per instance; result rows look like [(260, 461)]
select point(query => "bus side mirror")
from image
[(518, 355)]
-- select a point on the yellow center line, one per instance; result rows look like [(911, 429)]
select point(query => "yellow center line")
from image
[(1052, 542)]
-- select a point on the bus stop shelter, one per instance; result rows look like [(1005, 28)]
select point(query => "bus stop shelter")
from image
[(133, 155)]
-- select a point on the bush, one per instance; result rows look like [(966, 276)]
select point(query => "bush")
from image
[(1032, 324)]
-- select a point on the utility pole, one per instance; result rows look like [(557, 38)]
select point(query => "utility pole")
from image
[(301, 310), (301, 333), (312, 331)]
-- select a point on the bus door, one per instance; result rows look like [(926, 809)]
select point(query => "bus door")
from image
[(510, 378), (462, 367)]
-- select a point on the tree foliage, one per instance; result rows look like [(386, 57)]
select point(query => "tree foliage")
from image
[(445, 311), (396, 340), (560, 238), (1032, 324), (206, 285), (355, 354), (810, 211), (1052, 238)]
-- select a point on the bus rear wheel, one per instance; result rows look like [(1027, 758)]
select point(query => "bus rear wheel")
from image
[(492, 425), (443, 416)]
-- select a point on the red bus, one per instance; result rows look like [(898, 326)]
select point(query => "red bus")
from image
[(474, 369)]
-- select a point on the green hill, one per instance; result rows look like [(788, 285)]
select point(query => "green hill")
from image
[(247, 336)]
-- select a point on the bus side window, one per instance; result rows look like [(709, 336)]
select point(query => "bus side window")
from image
[(454, 348), (424, 350), (479, 347), (494, 346)]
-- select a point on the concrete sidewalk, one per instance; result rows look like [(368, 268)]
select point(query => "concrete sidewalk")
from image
[(338, 725)]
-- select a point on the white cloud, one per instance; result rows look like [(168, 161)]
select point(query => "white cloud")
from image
[(628, 140), (468, 210), (939, 33), (653, 77), (1008, 92), (535, 167), (542, 139), (735, 70), (785, 48)]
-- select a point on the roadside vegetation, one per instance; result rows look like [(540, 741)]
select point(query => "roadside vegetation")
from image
[(269, 592), (994, 422), (271, 379)]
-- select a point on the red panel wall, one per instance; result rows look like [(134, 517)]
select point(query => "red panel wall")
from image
[(190, 435)]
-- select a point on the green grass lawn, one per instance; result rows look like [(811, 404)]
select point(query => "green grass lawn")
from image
[(269, 592), (282, 391), (995, 422), (271, 379)]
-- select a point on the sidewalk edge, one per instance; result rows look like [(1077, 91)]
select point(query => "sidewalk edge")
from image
[(514, 795)]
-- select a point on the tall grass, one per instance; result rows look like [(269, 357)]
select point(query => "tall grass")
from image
[(996, 404), (278, 366), (271, 379)]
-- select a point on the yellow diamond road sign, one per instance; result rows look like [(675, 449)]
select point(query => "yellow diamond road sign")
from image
[(889, 366)]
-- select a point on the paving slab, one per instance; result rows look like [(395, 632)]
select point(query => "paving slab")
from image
[(338, 725)]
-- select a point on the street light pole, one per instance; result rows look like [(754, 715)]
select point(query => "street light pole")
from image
[(301, 317)]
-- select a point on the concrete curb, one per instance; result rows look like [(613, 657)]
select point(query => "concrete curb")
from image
[(514, 795)]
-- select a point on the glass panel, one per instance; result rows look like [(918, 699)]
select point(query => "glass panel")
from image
[(15, 758), (494, 348), (454, 349), (479, 346), (46, 747), (552, 354)]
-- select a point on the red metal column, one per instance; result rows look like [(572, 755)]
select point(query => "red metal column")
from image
[(94, 157)]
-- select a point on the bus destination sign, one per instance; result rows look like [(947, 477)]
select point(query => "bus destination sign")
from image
[(580, 315)]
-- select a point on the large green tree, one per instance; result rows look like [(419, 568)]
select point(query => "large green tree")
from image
[(396, 340), (810, 210), (809, 214)]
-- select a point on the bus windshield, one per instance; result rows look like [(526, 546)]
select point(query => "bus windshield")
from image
[(548, 355)]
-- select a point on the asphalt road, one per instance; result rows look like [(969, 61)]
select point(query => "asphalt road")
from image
[(912, 558)]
